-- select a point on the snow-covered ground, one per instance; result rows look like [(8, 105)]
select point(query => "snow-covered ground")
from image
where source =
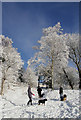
[(15, 104)]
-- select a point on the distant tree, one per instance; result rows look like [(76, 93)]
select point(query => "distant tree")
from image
[(21, 75), (46, 73), (11, 62), (30, 77)]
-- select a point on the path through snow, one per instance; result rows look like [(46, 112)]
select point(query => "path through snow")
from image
[(15, 104)]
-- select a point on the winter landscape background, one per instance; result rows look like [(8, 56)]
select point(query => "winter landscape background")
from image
[(39, 45)]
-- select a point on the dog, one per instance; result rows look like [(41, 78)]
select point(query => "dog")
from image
[(42, 101), (64, 97)]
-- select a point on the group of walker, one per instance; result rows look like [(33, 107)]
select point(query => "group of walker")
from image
[(39, 89)]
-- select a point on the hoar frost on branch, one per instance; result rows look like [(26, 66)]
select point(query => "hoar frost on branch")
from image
[(30, 77), (11, 62), (53, 46), (75, 53), (52, 50), (69, 79)]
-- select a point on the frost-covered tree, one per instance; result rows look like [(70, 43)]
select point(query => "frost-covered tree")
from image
[(71, 77), (30, 77), (11, 62), (0, 62), (53, 49), (21, 75), (75, 53)]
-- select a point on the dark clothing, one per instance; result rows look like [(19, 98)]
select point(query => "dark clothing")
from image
[(61, 90), (61, 93), (39, 91), (42, 95), (30, 101), (29, 95), (62, 98), (29, 92)]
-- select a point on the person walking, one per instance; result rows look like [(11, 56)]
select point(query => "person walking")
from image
[(61, 92), (30, 95), (39, 91)]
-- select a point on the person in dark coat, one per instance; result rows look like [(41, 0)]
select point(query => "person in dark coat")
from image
[(30, 95), (61, 92), (39, 91)]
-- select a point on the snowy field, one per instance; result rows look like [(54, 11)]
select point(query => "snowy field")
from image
[(15, 104)]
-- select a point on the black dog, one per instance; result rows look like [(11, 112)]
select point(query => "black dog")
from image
[(42, 101)]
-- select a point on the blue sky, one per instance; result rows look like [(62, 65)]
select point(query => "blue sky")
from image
[(24, 21), (80, 17)]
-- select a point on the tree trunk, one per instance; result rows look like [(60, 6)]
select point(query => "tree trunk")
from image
[(2, 84), (3, 80), (52, 72), (79, 79), (79, 71), (70, 83)]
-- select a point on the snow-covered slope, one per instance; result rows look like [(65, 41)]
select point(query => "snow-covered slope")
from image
[(15, 104)]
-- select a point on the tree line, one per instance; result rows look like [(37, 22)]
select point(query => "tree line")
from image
[(54, 52)]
